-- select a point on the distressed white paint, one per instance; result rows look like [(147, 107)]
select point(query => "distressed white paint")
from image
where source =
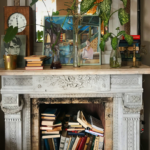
[(127, 103), (133, 17)]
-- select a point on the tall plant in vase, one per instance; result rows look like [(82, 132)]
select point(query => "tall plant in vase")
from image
[(105, 15)]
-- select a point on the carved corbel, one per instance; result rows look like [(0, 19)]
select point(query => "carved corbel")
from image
[(11, 104), (132, 103)]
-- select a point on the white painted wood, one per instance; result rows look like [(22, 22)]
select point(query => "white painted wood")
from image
[(22, 2), (133, 17), (127, 103), (10, 2)]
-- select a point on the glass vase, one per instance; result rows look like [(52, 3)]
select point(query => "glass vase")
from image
[(56, 64), (115, 58)]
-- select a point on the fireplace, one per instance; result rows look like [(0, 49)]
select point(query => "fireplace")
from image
[(120, 95), (100, 108)]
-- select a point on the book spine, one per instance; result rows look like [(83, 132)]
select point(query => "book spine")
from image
[(46, 144), (127, 45), (96, 143), (77, 134), (90, 142), (66, 143), (42, 144), (55, 143), (93, 143), (80, 140), (82, 143), (101, 143), (135, 37), (71, 143), (62, 141), (87, 143)]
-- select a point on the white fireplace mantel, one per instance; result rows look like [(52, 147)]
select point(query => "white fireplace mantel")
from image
[(123, 85)]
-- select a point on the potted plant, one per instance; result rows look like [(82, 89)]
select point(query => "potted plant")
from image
[(105, 14)]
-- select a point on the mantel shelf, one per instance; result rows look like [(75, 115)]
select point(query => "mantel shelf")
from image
[(83, 70)]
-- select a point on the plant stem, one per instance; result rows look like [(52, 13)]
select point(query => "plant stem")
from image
[(47, 10)]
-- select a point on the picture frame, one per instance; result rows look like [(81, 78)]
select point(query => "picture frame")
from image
[(67, 38), (15, 47)]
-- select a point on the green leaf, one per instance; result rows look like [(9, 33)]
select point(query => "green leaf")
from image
[(105, 7), (106, 21), (86, 5), (114, 43), (121, 33), (10, 33), (40, 36), (124, 3), (106, 36), (55, 13), (129, 39), (118, 28), (33, 2), (124, 17), (102, 45)]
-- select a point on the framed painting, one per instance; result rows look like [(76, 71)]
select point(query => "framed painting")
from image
[(15, 47), (88, 40)]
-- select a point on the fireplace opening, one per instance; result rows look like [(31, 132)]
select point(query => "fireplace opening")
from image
[(100, 110)]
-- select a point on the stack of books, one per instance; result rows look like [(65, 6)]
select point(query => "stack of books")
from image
[(34, 62), (80, 132), (50, 125)]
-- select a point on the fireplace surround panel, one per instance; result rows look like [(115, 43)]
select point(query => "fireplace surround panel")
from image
[(125, 91)]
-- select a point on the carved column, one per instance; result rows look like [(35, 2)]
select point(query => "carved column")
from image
[(12, 105), (131, 114)]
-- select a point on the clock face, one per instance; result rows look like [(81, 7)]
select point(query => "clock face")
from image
[(17, 20)]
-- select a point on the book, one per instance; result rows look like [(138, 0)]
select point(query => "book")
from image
[(75, 143), (66, 143), (50, 112), (50, 142), (94, 133), (73, 120), (55, 129), (34, 68), (33, 65), (46, 132), (76, 134), (56, 142), (35, 62), (135, 37), (129, 48), (46, 144), (46, 128), (82, 120), (87, 143), (92, 147), (76, 126), (50, 136), (96, 143), (71, 143), (124, 41), (101, 143), (48, 118), (127, 45), (51, 123), (78, 143), (82, 143), (96, 123), (35, 57), (75, 129), (62, 140), (90, 142)]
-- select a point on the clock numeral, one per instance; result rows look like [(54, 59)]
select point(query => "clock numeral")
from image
[(14, 17)]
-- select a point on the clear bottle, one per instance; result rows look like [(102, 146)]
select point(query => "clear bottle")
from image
[(115, 59)]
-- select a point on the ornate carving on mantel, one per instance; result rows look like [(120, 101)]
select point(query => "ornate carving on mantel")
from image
[(10, 100), (9, 81), (132, 103), (73, 82), (9, 109), (126, 81)]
